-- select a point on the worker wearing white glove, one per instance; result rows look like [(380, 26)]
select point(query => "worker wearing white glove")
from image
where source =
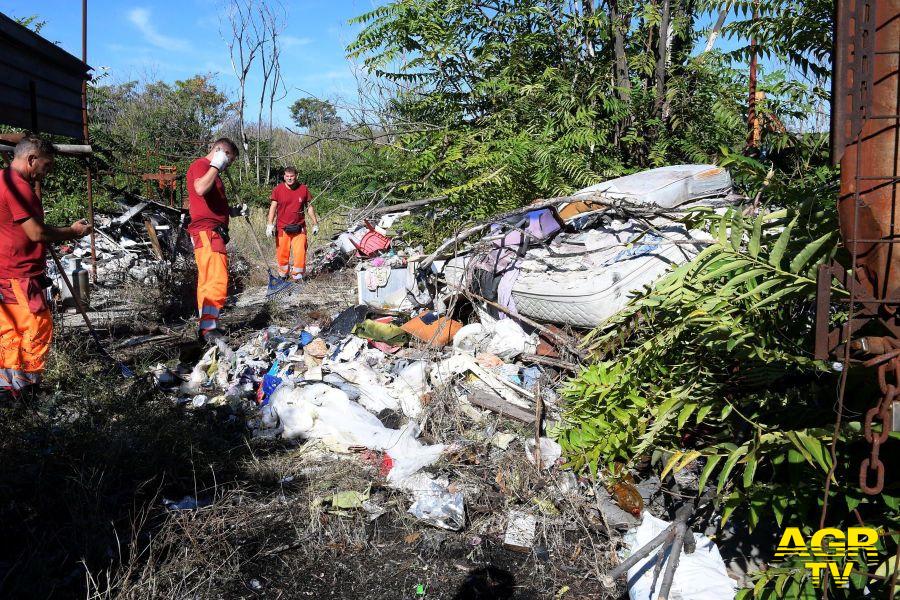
[(270, 230), (289, 213), (220, 160), (209, 214)]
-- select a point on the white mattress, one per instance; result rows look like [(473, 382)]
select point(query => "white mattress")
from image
[(583, 279), (665, 187)]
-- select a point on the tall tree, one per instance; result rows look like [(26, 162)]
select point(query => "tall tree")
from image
[(244, 34), (273, 24)]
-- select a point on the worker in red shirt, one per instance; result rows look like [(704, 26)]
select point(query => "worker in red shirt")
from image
[(26, 325), (291, 202), (209, 211)]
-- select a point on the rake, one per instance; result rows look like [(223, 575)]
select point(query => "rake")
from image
[(276, 285), (123, 369)]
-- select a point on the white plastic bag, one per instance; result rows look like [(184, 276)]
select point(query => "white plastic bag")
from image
[(408, 388), (319, 411), (699, 576), (373, 393), (509, 340)]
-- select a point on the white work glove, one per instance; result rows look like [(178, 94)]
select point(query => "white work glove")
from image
[(315, 230), (270, 230), (219, 160), (241, 210)]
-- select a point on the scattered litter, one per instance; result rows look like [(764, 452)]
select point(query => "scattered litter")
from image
[(435, 504), (502, 440), (627, 497), (387, 333), (349, 499), (319, 411), (550, 452), (509, 340), (186, 503), (613, 516), (364, 382), (433, 330), (520, 531)]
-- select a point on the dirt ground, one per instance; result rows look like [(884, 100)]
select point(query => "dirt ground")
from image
[(89, 465)]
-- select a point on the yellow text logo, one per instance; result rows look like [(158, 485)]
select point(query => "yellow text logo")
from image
[(830, 550)]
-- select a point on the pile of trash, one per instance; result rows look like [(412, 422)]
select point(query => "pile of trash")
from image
[(480, 321), (137, 244), (339, 384)]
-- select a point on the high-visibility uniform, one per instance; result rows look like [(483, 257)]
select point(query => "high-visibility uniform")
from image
[(212, 278), (290, 252), (26, 326), (208, 212), (25, 335)]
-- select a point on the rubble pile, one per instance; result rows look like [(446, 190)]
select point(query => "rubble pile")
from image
[(137, 245)]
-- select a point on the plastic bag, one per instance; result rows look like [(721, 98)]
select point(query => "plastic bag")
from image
[(699, 576)]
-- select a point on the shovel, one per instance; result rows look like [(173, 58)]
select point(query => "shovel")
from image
[(123, 369)]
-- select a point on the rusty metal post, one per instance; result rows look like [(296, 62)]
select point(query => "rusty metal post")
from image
[(87, 140), (870, 161), (754, 135)]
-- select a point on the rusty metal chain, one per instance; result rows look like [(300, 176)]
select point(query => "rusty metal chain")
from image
[(881, 412)]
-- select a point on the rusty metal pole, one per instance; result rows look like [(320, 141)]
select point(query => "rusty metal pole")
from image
[(87, 139), (754, 135)]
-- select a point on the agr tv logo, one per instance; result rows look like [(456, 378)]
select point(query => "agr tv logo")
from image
[(826, 549)]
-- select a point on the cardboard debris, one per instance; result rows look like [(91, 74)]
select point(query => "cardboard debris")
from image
[(520, 531)]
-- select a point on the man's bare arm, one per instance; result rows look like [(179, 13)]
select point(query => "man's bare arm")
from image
[(39, 232), (272, 208)]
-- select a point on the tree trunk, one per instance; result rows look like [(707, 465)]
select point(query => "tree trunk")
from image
[(259, 118), (619, 26), (587, 11), (276, 82), (662, 43), (711, 40)]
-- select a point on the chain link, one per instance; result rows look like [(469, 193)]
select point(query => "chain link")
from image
[(881, 412)]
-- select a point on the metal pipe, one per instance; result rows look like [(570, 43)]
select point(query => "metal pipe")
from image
[(65, 149), (87, 139)]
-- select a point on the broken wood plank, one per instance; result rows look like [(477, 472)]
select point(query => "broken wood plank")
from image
[(494, 403), (154, 239), (550, 362)]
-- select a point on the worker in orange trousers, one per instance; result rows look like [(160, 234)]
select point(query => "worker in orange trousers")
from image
[(291, 203), (210, 212), (26, 326)]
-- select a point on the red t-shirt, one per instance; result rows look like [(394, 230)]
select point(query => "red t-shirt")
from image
[(291, 204), (211, 209), (19, 257)]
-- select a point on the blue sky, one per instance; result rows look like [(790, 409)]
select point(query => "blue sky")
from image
[(174, 39)]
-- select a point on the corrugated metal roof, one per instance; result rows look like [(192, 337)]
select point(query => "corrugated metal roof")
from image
[(29, 62)]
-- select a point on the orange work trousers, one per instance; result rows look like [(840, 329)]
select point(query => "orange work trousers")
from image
[(291, 254), (24, 339), (212, 278)]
